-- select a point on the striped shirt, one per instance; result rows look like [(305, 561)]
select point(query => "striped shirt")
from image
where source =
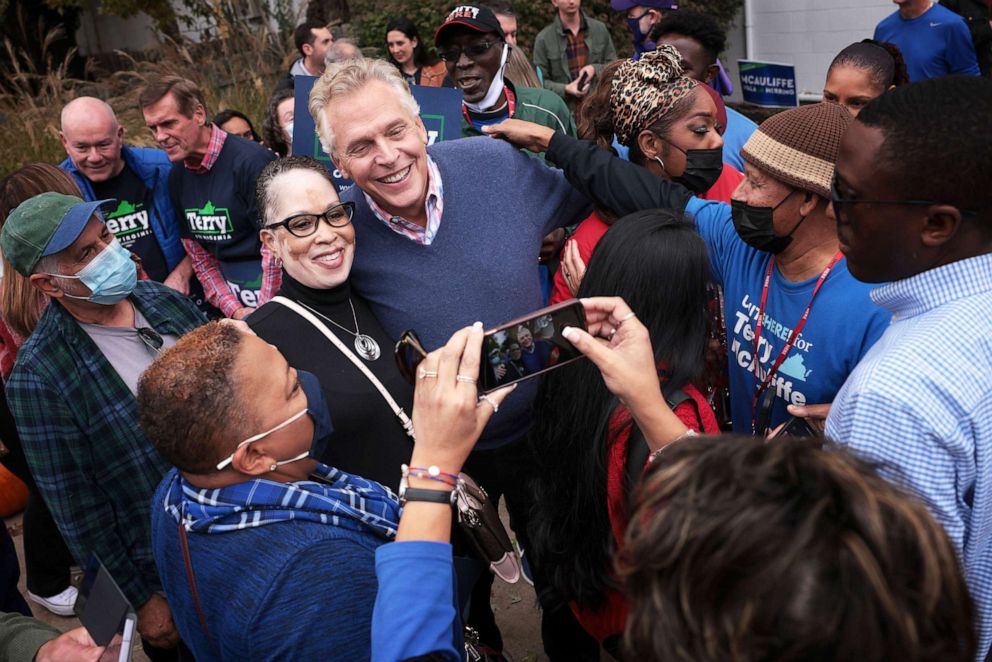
[(434, 203), (920, 403)]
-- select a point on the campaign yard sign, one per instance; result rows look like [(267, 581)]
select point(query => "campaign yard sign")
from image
[(768, 84), (440, 111)]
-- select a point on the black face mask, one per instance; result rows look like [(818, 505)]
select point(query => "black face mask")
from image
[(702, 168), (755, 225)]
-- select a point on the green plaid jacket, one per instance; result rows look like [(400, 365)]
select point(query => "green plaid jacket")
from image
[(78, 424)]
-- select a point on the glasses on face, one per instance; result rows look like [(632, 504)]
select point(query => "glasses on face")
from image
[(838, 202), (304, 225), (151, 338), (472, 51), (409, 352)]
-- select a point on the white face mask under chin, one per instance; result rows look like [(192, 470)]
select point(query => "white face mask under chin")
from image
[(495, 86)]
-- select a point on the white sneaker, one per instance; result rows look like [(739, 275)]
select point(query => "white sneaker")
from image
[(60, 604)]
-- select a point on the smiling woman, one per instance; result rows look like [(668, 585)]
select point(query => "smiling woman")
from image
[(305, 224)]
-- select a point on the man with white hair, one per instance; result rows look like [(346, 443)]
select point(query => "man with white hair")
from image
[(144, 220), (447, 234)]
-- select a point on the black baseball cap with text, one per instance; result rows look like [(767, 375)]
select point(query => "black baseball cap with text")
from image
[(474, 17)]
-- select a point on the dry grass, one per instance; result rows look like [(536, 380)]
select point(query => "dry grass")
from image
[(236, 71)]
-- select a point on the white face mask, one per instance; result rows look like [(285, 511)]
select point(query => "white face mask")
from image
[(289, 130), (495, 87), (226, 461)]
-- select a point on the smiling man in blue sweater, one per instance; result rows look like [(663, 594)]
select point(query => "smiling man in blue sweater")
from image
[(445, 236)]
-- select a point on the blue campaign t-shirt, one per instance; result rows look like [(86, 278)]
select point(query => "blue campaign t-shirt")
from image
[(843, 322), (935, 43)]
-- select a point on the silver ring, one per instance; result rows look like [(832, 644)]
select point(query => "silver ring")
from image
[(613, 332), (424, 374), (485, 397), (625, 318), (466, 379)]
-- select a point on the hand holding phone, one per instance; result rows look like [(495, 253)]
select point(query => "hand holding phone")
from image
[(529, 346), (584, 81)]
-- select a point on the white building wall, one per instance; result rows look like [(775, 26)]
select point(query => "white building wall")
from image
[(806, 33)]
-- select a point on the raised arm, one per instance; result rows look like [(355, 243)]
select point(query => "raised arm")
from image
[(610, 182)]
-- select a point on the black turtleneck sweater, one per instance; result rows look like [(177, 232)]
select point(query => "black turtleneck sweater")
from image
[(368, 439)]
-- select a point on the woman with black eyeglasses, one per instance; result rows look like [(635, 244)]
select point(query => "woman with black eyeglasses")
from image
[(322, 326)]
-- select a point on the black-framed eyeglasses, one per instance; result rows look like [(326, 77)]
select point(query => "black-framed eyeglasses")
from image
[(304, 225), (151, 338), (837, 202), (409, 352), (472, 50)]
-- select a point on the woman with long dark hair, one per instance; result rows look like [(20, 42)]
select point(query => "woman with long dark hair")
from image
[(583, 436), (411, 57)]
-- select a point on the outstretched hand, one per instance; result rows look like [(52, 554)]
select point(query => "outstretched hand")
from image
[(530, 136), (448, 415), (620, 347)]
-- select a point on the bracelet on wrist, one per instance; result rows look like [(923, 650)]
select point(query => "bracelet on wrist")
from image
[(432, 472), (688, 433)]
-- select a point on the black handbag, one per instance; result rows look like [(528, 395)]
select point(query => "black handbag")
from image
[(479, 520)]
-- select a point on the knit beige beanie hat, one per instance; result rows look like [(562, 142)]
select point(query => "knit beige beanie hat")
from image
[(799, 146)]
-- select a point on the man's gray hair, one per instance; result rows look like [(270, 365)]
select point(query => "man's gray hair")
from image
[(342, 50), (344, 78)]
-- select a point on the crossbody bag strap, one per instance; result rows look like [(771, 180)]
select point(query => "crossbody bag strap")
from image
[(320, 326), (184, 545)]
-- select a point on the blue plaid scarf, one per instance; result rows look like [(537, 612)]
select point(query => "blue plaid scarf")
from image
[(336, 498)]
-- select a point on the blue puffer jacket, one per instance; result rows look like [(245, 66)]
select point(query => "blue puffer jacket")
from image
[(152, 166)]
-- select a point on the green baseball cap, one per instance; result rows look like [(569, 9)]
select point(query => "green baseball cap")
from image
[(44, 225)]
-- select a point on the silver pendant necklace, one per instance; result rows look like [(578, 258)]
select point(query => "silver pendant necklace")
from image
[(365, 345)]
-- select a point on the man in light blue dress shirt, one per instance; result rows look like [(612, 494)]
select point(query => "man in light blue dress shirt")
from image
[(913, 200)]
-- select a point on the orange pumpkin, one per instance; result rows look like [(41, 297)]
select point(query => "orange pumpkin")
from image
[(13, 493)]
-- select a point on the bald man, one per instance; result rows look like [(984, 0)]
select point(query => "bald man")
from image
[(136, 179)]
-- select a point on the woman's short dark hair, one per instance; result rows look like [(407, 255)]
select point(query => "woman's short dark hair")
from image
[(264, 193), (272, 133), (421, 54), (658, 263), (188, 402), (225, 116), (882, 60), (743, 549)]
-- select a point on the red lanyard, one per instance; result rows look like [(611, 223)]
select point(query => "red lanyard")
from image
[(792, 336)]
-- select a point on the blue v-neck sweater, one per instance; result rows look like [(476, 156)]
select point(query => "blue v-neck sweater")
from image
[(482, 264)]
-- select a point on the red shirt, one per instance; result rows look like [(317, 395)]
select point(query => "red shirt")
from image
[(695, 415), (591, 230)]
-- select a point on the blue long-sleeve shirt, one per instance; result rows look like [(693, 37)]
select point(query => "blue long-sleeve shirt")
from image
[(414, 610)]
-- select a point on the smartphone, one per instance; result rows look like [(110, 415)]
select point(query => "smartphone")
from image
[(796, 427), (529, 346), (585, 80), (104, 610)]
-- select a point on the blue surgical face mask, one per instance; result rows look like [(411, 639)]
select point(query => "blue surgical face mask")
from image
[(111, 275), (319, 414), (289, 131)]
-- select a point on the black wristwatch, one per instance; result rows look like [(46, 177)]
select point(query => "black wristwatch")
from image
[(419, 494)]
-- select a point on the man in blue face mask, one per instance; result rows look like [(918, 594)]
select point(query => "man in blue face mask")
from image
[(642, 15), (72, 391)]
